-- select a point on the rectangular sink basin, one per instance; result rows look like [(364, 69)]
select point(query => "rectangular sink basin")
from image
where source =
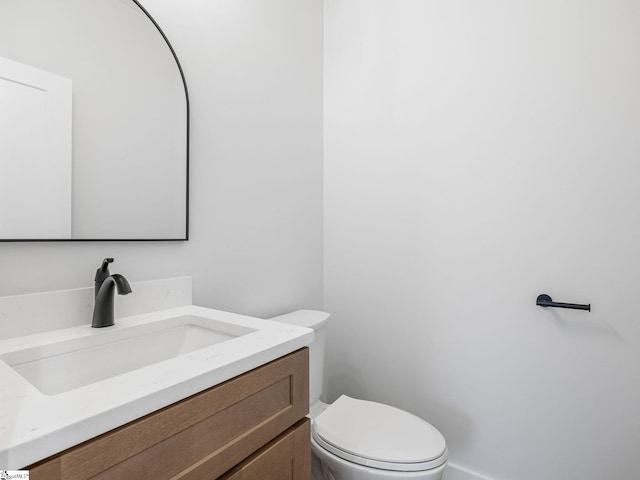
[(67, 365)]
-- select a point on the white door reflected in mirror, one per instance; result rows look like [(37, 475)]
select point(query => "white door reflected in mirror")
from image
[(35, 147)]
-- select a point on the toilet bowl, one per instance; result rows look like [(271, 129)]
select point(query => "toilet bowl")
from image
[(354, 439)]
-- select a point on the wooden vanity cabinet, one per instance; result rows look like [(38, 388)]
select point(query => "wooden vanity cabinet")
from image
[(285, 458), (252, 427)]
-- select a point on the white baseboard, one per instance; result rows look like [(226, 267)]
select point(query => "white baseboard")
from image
[(456, 472)]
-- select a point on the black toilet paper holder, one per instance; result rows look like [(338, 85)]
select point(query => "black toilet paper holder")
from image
[(545, 300)]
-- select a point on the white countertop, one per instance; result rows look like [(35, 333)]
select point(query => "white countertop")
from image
[(34, 426)]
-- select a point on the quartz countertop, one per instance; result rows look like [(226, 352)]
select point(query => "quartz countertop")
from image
[(34, 426)]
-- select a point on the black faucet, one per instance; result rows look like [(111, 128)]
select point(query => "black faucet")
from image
[(103, 314)]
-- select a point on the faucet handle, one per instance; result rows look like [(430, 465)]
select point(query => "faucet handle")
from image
[(106, 262), (103, 271)]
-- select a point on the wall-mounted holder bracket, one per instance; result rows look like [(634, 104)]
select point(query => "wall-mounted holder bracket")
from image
[(545, 300)]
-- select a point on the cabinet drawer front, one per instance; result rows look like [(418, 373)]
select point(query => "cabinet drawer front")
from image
[(288, 457), (202, 436)]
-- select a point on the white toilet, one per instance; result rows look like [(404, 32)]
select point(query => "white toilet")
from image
[(361, 440)]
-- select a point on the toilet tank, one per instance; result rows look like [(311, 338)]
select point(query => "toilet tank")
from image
[(317, 321)]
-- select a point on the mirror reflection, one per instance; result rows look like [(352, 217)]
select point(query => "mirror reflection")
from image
[(126, 154)]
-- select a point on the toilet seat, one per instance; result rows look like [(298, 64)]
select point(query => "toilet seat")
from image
[(378, 436)]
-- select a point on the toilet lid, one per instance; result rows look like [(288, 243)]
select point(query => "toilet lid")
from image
[(379, 436)]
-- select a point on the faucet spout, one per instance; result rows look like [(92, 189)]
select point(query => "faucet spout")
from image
[(122, 284), (105, 288)]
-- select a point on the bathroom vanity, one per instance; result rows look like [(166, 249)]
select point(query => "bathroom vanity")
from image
[(249, 427), (183, 392)]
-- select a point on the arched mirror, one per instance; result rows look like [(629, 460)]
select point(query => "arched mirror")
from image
[(94, 124)]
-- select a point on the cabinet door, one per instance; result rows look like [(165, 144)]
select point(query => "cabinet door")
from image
[(288, 457), (201, 437)]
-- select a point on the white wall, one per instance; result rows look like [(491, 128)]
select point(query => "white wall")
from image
[(254, 74), (255, 79), (478, 154)]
